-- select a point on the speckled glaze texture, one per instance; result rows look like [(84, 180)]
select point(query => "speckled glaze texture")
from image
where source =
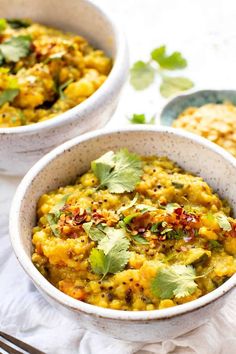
[(198, 98), (63, 164), (21, 147)]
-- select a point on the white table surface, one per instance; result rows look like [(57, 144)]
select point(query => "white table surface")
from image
[(205, 32)]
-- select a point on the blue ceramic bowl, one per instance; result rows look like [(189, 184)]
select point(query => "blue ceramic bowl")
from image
[(198, 98)]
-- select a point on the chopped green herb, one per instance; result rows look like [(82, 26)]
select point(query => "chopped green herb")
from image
[(3, 24), (214, 244), (55, 214), (169, 62), (18, 23), (170, 207), (223, 222), (62, 87), (133, 201), (172, 85), (144, 208), (174, 281), (177, 185), (141, 75), (156, 227), (119, 172), (8, 95), (127, 220), (140, 239), (95, 233), (15, 48)]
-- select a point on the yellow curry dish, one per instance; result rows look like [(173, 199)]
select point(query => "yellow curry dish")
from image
[(215, 122), (45, 72), (135, 233)]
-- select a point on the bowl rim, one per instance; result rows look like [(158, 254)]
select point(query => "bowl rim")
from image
[(100, 95), (78, 306), (185, 95)]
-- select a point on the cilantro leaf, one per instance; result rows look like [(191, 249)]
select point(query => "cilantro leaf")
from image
[(141, 75), (98, 262), (15, 48), (132, 202), (55, 214), (18, 23), (8, 95), (141, 119), (118, 172), (112, 253), (174, 281), (169, 62), (95, 233), (62, 87), (140, 239), (3, 24), (172, 85), (223, 222), (170, 207)]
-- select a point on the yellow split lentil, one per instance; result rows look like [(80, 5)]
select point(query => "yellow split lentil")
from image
[(60, 71), (215, 122), (64, 258)]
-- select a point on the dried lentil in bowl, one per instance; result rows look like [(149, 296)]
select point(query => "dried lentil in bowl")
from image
[(135, 233)]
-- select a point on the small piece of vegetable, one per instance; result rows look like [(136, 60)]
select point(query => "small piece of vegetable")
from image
[(172, 85), (140, 239), (55, 214), (177, 185), (62, 87), (141, 75), (170, 207), (174, 281), (15, 48), (119, 172), (8, 95), (133, 201)]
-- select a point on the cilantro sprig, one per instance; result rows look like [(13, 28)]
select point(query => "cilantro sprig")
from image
[(174, 281), (142, 74), (141, 119), (119, 172), (15, 48), (111, 255)]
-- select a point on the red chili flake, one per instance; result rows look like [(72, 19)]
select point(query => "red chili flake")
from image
[(178, 211), (74, 235)]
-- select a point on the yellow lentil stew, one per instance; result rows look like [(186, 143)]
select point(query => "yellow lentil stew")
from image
[(45, 72), (215, 122), (135, 233)]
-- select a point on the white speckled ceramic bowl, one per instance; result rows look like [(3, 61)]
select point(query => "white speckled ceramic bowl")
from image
[(21, 147), (63, 164)]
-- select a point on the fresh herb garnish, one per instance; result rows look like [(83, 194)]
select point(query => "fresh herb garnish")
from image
[(62, 87), (8, 95), (214, 244), (174, 281), (142, 74), (140, 239), (111, 255), (223, 222), (15, 48), (119, 172), (127, 220), (170, 207), (141, 119), (94, 232), (3, 24), (55, 214), (18, 23), (177, 185), (125, 207)]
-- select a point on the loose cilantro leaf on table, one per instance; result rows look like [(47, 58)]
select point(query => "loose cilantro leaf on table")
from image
[(111, 255), (15, 48), (223, 222), (8, 95), (141, 75), (119, 172), (174, 281), (173, 85), (141, 119), (169, 62)]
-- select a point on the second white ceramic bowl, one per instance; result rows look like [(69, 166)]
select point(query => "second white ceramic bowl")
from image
[(21, 147), (63, 164)]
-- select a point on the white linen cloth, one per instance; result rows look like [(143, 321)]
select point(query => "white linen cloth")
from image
[(205, 32)]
